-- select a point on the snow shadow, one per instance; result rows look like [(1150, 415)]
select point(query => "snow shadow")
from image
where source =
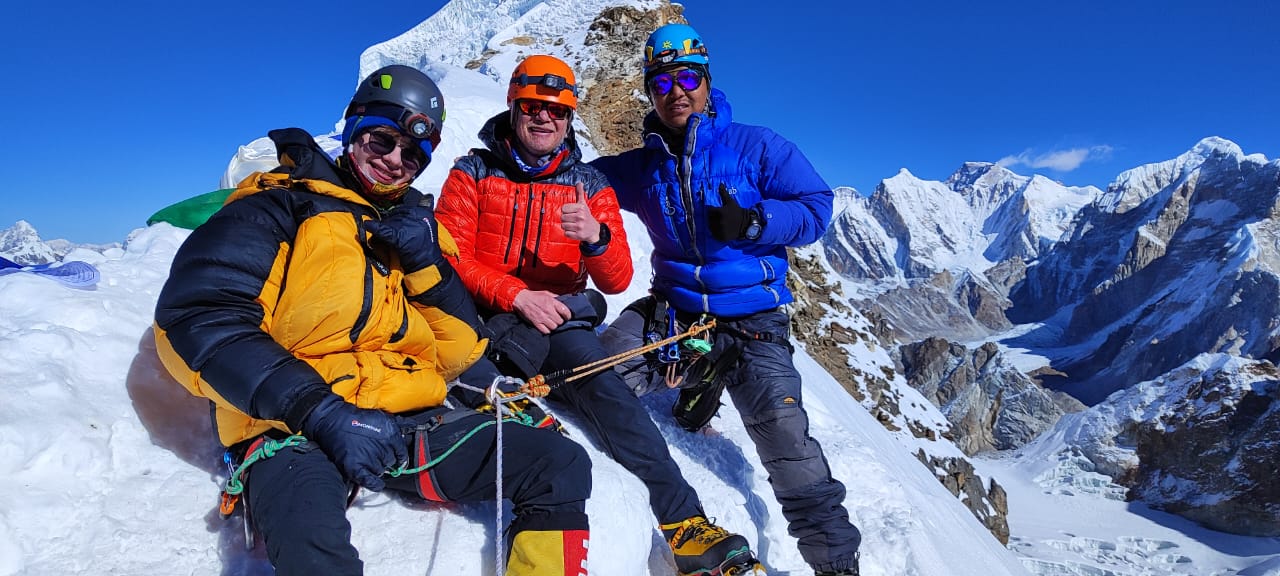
[(1222, 542), (722, 458), (180, 423), (174, 419), (434, 514)]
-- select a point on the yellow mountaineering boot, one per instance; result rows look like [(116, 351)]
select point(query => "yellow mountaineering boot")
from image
[(703, 549)]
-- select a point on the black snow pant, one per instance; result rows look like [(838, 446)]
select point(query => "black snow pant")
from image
[(621, 423), (766, 389), (298, 499)]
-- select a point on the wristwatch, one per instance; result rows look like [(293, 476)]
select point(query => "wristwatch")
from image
[(589, 249), (754, 225)]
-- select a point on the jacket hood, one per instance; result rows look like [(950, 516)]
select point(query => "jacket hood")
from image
[(303, 159), (497, 133), (708, 124), (302, 163)]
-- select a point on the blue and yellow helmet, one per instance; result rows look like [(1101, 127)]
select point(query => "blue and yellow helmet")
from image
[(674, 44)]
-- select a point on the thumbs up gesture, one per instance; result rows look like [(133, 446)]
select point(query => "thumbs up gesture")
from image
[(577, 221), (730, 221)]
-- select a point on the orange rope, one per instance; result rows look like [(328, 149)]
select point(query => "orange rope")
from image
[(538, 386)]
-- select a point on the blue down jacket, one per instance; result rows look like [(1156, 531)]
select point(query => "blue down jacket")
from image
[(671, 190)]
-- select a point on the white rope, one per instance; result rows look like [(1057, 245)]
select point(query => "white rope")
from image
[(496, 399)]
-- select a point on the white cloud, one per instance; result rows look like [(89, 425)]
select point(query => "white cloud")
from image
[(1059, 160)]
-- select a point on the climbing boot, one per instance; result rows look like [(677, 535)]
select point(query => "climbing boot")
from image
[(703, 549)]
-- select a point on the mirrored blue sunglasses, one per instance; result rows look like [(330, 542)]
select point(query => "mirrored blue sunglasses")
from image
[(688, 79)]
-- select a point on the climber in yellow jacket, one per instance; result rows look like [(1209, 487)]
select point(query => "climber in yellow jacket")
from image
[(318, 302)]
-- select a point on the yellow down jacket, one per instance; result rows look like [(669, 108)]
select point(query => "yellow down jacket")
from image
[(280, 297)]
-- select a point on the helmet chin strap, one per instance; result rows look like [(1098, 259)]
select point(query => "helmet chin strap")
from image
[(370, 186)]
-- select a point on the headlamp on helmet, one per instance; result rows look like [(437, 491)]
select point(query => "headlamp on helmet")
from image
[(546, 78), (405, 96), (552, 81), (674, 44)]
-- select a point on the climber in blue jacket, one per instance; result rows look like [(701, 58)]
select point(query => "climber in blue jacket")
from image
[(722, 202)]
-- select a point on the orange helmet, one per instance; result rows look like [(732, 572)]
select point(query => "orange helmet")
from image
[(541, 77)]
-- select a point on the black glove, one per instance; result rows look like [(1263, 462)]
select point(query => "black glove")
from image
[(362, 443), (412, 232), (730, 221)]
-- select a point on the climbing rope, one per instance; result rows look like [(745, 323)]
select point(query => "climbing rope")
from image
[(235, 486), (539, 386), (268, 448), (497, 399)]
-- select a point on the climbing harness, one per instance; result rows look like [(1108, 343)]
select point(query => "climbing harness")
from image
[(263, 448), (538, 386)]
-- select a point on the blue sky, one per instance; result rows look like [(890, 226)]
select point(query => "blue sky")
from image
[(118, 109)]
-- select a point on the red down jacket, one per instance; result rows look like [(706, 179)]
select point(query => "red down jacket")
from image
[(507, 223)]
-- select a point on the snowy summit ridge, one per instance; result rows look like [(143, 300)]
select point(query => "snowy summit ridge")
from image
[(464, 30), (983, 213)]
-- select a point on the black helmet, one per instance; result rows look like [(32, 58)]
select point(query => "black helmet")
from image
[(403, 95)]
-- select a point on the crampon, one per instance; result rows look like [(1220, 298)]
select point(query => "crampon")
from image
[(741, 565)]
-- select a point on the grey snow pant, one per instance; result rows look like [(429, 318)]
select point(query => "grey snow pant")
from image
[(766, 389)]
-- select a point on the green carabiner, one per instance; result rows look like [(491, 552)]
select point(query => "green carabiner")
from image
[(698, 345)]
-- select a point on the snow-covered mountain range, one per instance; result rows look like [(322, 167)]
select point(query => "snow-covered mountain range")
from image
[(1090, 293), (21, 243)]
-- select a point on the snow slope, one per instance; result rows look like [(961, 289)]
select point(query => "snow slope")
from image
[(108, 467)]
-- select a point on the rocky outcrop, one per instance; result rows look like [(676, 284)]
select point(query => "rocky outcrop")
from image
[(1178, 258), (1005, 275), (1202, 441), (613, 106), (831, 332), (966, 307), (989, 403), (958, 476), (1212, 455)]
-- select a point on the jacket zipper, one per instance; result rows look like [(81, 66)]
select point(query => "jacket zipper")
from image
[(686, 186), (528, 215), (686, 197), (542, 219), (511, 234), (372, 263)]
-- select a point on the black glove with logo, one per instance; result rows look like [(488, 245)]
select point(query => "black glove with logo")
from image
[(363, 443), (411, 231), (730, 221)]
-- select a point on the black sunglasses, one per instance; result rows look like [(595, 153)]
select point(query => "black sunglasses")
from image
[(533, 107), (688, 79), (412, 156)]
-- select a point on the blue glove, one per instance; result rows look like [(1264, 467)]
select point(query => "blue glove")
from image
[(362, 443), (411, 231)]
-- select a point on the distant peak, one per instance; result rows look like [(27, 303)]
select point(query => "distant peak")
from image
[(22, 227), (970, 173), (1216, 144)]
